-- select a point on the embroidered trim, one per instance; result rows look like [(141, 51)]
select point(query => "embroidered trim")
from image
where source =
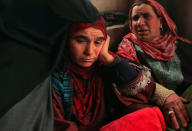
[(161, 94), (138, 84)]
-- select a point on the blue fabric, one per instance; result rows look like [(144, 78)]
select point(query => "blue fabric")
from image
[(64, 89), (122, 72)]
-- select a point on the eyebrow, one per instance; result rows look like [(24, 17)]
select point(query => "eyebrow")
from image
[(87, 38), (100, 38), (80, 37)]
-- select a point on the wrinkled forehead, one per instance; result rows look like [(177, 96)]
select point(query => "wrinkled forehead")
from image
[(142, 9), (89, 32), (141, 3), (99, 24)]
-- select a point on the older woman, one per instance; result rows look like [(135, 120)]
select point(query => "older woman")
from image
[(83, 95), (154, 42)]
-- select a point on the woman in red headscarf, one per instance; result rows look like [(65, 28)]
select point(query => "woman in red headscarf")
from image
[(95, 86), (154, 42)]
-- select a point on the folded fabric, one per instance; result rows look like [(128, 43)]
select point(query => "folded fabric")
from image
[(146, 119)]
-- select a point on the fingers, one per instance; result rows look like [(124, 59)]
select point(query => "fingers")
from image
[(181, 113), (184, 100), (183, 109), (106, 45), (107, 41), (173, 119), (174, 109), (183, 116), (167, 118), (104, 56)]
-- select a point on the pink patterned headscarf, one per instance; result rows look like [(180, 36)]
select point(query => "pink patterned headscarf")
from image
[(161, 48)]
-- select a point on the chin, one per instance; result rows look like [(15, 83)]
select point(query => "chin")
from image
[(86, 65), (144, 39)]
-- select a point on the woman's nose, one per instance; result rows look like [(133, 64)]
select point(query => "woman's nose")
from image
[(141, 21), (89, 49)]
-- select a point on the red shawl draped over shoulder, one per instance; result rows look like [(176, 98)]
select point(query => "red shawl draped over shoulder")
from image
[(161, 48)]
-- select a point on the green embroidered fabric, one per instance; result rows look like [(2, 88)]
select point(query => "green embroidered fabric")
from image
[(167, 73)]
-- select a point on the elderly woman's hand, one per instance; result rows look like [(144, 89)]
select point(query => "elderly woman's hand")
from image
[(174, 108)]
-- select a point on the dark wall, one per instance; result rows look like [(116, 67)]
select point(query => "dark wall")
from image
[(180, 11)]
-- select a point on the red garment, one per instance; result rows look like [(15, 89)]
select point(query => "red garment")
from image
[(142, 97), (146, 119), (87, 93), (161, 48), (88, 105), (96, 116), (60, 124)]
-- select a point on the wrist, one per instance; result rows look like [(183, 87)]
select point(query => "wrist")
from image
[(161, 94), (107, 59)]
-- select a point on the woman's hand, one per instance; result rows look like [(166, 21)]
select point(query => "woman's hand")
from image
[(104, 56), (174, 108)]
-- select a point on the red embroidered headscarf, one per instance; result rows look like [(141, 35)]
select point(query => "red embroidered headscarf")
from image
[(161, 48), (99, 24), (87, 96)]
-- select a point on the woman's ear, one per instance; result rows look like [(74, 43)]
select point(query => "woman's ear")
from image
[(162, 30), (161, 22)]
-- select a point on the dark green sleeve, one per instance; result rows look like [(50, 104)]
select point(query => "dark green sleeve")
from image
[(32, 38)]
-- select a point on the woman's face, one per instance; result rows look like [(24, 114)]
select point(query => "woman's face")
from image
[(85, 46), (145, 23)]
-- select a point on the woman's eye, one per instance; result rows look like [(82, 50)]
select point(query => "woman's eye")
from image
[(80, 40), (99, 42), (145, 16), (135, 18)]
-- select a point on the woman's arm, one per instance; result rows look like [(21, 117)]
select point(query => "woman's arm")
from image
[(129, 79)]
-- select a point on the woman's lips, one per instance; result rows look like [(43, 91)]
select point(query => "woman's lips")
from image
[(87, 60), (142, 32)]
